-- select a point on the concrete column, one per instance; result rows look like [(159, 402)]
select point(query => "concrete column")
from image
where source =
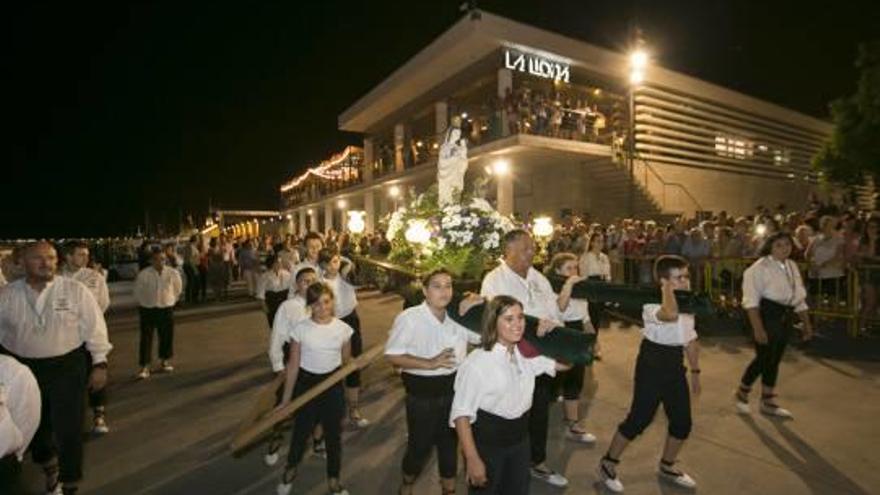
[(441, 118), (399, 143), (313, 221), (303, 228), (504, 193), (369, 158), (505, 83), (370, 211), (328, 215)]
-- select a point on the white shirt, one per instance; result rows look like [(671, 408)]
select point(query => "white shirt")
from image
[(62, 317), (291, 312), (272, 282), (344, 296), (418, 333), (498, 382), (157, 290), (591, 265), (321, 350), (20, 405), (768, 278), (94, 281), (534, 291), (671, 333)]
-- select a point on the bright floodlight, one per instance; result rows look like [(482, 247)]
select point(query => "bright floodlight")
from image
[(356, 224), (638, 59), (417, 232), (543, 227), (501, 167), (341, 204), (636, 77)]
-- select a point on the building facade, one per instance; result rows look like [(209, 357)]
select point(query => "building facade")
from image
[(549, 121)]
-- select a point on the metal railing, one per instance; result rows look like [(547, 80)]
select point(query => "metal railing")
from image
[(851, 298)]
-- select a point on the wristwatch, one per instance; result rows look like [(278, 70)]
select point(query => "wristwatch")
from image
[(102, 365)]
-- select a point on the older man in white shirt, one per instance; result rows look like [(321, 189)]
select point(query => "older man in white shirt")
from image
[(53, 325), (156, 290), (516, 277), (19, 419)]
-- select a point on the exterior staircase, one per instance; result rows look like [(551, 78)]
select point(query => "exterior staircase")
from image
[(653, 197)]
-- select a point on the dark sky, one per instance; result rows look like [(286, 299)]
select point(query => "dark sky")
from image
[(163, 106)]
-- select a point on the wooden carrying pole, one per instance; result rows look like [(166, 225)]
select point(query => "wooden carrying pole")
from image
[(254, 427)]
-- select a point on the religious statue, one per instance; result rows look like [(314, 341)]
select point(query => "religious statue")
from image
[(451, 167)]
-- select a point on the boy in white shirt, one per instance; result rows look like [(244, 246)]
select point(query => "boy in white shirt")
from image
[(660, 377)]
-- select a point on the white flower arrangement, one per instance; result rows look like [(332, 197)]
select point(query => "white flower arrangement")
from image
[(464, 238)]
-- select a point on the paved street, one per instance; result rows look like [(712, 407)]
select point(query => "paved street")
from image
[(170, 433)]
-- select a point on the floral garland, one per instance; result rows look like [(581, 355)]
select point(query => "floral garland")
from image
[(464, 238)]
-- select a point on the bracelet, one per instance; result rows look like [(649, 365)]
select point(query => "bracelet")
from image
[(102, 365), (695, 371)]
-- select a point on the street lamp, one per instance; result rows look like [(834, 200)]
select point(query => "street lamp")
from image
[(638, 63), (356, 226), (418, 234), (394, 194), (501, 167), (542, 229)]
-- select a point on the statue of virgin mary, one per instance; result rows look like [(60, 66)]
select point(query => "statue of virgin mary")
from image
[(451, 166)]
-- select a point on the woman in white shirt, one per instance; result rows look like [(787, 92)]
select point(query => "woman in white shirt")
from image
[(772, 292), (289, 314), (319, 346), (577, 317), (428, 345), (595, 265), (345, 308), (493, 395)]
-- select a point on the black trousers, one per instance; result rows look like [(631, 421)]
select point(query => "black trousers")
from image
[(571, 381), (777, 319), (660, 379), (62, 381), (10, 475), (192, 283), (161, 320), (539, 416), (503, 445), (357, 347), (428, 403), (97, 398), (273, 302), (327, 408)]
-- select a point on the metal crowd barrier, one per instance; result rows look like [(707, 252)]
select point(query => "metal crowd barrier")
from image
[(852, 298)]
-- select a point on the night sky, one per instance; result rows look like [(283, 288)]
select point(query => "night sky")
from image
[(118, 109)]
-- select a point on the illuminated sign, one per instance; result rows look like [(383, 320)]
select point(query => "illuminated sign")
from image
[(536, 65)]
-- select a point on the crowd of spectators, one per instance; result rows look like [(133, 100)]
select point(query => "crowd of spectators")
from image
[(832, 244)]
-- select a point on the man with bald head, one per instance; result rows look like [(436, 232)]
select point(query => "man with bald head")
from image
[(54, 326)]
